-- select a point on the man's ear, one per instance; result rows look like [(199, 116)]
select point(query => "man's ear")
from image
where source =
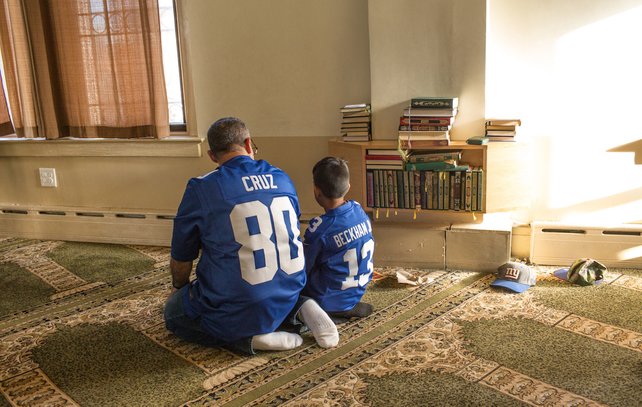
[(247, 144), (212, 156)]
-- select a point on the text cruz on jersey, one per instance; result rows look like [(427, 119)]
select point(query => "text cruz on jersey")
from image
[(256, 182)]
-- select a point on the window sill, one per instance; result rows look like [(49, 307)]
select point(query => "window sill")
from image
[(174, 146)]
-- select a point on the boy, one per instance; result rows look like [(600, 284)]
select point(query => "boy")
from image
[(338, 245)]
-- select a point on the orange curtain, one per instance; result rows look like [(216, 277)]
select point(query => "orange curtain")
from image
[(5, 119), (93, 67)]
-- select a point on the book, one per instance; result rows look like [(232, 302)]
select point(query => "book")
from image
[(435, 102), (382, 152), (421, 144), (423, 135), (503, 122), (356, 114), (506, 133), (501, 139), (357, 125), (457, 191), (392, 163), (410, 112), (425, 121), (435, 156), (417, 185), (477, 140), (422, 127), (480, 188), (370, 188), (469, 180), (395, 157), (359, 107), (364, 119), (390, 181), (435, 166), (501, 127), (385, 166), (355, 133)]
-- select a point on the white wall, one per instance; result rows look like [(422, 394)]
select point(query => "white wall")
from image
[(571, 71), (285, 67), (427, 48)]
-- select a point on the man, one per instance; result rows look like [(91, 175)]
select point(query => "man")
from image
[(243, 218)]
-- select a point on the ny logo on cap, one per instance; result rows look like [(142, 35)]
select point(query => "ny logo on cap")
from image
[(512, 273)]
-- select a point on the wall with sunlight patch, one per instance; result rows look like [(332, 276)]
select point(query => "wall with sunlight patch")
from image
[(571, 70)]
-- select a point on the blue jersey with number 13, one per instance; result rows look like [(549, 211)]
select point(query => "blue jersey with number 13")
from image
[(338, 251)]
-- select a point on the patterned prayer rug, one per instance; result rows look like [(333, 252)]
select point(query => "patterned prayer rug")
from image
[(79, 332)]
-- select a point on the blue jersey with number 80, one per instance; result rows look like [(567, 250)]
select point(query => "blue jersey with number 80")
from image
[(244, 218)]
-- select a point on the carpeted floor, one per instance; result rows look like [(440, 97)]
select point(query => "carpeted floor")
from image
[(81, 324)]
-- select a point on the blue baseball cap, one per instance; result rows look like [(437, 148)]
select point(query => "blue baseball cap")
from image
[(517, 277)]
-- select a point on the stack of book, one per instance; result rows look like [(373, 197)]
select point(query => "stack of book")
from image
[(355, 125), (381, 159), (502, 129), (427, 122)]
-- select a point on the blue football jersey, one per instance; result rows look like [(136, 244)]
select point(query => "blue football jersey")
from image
[(244, 219), (338, 250)]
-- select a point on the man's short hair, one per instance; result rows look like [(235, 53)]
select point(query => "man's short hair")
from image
[(332, 176), (227, 134)]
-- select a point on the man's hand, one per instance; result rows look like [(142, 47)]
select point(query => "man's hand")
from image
[(181, 271)]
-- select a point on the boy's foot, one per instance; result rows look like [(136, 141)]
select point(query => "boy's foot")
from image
[(322, 327), (276, 341), (362, 309)]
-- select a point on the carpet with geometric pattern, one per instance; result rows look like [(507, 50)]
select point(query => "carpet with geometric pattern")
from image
[(81, 324)]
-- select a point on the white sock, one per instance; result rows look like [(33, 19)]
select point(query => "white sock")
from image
[(322, 327), (276, 341)]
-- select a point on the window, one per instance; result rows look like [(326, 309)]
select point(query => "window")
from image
[(171, 65), (106, 28)]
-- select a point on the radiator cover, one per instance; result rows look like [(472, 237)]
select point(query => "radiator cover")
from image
[(560, 244)]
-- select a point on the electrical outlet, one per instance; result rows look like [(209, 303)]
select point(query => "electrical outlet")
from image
[(48, 177)]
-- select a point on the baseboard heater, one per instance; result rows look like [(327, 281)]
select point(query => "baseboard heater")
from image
[(87, 225), (561, 244)]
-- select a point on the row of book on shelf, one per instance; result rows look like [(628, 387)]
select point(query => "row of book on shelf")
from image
[(422, 179), (439, 190)]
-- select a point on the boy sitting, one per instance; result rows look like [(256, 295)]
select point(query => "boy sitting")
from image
[(338, 246)]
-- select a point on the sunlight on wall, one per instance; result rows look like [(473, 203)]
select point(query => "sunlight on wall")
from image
[(630, 254), (576, 83), (597, 100)]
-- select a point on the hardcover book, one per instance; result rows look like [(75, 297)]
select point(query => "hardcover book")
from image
[(432, 157), (435, 102), (422, 144), (410, 112), (503, 122), (426, 121), (423, 135), (422, 127)]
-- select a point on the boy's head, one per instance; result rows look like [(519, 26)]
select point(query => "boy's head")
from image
[(331, 177)]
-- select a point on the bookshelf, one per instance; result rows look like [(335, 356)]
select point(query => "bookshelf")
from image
[(499, 162)]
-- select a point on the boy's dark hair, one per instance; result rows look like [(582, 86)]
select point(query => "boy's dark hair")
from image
[(332, 176), (226, 134)]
